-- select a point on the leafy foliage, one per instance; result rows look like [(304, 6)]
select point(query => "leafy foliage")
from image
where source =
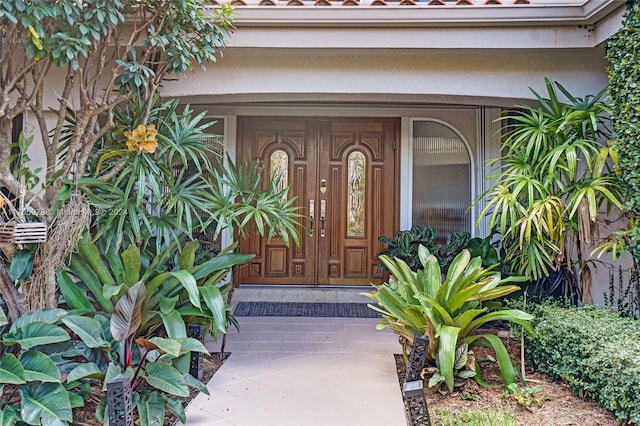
[(100, 54), (594, 350), (623, 52), (141, 305), (36, 350), (449, 312), (554, 179), (178, 290), (405, 246)]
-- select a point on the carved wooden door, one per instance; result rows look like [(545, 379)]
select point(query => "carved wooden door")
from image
[(344, 175)]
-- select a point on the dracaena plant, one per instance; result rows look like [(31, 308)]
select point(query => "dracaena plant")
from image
[(448, 311), (554, 181)]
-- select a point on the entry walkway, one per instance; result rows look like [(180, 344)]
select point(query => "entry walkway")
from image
[(297, 371)]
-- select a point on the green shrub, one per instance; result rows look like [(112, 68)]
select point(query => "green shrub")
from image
[(594, 350)]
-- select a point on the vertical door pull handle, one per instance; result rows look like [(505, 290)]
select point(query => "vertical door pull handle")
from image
[(323, 214), (312, 208)]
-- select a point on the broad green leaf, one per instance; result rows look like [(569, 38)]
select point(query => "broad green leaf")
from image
[(73, 296), (9, 416), (34, 334), (39, 367), (166, 379), (48, 316), (174, 405), (127, 314), (168, 346), (188, 255), (214, 301), (456, 270), (167, 304), (11, 371), (189, 283), (108, 290), (91, 255), (512, 315), (88, 329), (447, 353), (507, 371), (45, 403), (195, 383), (188, 344), (21, 264), (82, 371), (174, 324), (76, 400), (151, 410), (220, 262), (132, 265), (81, 269)]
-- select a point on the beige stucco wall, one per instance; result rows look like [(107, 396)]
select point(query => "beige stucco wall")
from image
[(452, 76)]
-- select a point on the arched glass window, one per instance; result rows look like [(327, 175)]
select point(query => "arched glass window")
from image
[(280, 168), (441, 179), (356, 186)]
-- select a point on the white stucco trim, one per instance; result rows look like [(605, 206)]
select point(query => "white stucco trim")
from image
[(587, 12)]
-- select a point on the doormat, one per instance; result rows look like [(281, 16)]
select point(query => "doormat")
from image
[(303, 309)]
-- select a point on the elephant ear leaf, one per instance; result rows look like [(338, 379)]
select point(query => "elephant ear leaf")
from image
[(45, 403), (127, 315)]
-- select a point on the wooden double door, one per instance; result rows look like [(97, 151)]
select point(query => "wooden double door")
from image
[(344, 175)]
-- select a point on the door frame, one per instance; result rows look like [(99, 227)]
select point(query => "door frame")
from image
[(395, 165)]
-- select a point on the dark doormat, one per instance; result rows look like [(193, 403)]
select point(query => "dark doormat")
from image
[(303, 309)]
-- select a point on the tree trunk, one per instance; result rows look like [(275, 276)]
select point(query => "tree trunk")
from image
[(12, 297)]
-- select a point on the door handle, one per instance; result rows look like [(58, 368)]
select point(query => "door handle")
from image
[(312, 208), (323, 213)]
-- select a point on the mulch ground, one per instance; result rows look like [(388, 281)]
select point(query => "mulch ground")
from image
[(553, 404)]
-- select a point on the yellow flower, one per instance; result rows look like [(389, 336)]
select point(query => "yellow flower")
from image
[(1, 202), (142, 138), (149, 146)]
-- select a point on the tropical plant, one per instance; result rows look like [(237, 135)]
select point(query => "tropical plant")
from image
[(405, 246), (157, 367), (100, 54), (449, 312), (36, 348), (179, 290), (554, 179)]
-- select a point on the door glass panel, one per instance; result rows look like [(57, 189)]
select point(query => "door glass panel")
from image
[(280, 168), (441, 179), (356, 181)]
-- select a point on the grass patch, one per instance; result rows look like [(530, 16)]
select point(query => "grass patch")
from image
[(473, 417)]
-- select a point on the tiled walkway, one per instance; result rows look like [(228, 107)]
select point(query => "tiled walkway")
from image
[(290, 371)]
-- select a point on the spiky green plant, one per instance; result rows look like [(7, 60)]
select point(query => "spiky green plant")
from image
[(448, 311)]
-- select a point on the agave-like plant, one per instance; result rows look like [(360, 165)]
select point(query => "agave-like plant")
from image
[(449, 312)]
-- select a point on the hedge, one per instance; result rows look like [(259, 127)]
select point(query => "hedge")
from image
[(594, 350)]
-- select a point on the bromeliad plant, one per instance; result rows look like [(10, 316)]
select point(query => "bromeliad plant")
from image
[(449, 312), (178, 289)]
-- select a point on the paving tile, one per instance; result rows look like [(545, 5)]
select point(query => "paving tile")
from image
[(298, 336), (264, 346), (304, 372)]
